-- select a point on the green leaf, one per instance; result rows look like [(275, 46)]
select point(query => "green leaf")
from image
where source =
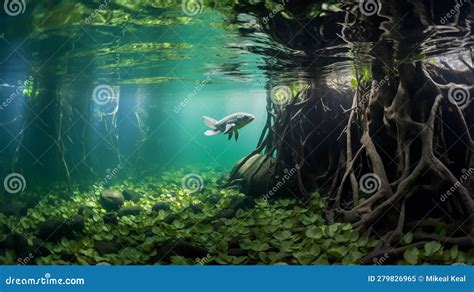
[(347, 226), (282, 235), (354, 235), (354, 83), (432, 247), (305, 258), (249, 222), (178, 224), (315, 250), (246, 244), (332, 229), (24, 224), (270, 228), (239, 260), (419, 57), (156, 230), (57, 249), (263, 247), (97, 237), (341, 238), (372, 243), (287, 224), (469, 258), (242, 230), (337, 252), (366, 73), (64, 242), (322, 260), (286, 246), (276, 256), (307, 220), (355, 255), (223, 259), (96, 218), (454, 252), (441, 229), (314, 232), (327, 244), (408, 238), (462, 257), (348, 260), (257, 246), (82, 261), (123, 230), (179, 260), (411, 255), (263, 257)]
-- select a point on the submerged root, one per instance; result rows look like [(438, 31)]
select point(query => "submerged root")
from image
[(396, 132)]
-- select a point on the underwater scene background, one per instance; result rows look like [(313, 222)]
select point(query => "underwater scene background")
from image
[(359, 149)]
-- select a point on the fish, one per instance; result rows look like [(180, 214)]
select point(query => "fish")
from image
[(229, 125)]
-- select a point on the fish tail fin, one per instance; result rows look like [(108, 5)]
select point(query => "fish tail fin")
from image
[(212, 132), (210, 122)]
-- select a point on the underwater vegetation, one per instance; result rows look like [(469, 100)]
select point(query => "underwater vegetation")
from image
[(155, 221)]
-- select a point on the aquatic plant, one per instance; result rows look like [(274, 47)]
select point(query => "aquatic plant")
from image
[(385, 149), (279, 232), (377, 165)]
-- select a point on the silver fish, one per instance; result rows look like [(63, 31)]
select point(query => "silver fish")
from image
[(228, 125)]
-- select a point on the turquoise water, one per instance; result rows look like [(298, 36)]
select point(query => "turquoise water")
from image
[(166, 77), (103, 157)]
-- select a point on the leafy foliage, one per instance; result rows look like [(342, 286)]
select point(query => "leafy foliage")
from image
[(270, 233)]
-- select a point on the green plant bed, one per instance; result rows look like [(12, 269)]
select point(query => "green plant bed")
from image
[(193, 231)]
